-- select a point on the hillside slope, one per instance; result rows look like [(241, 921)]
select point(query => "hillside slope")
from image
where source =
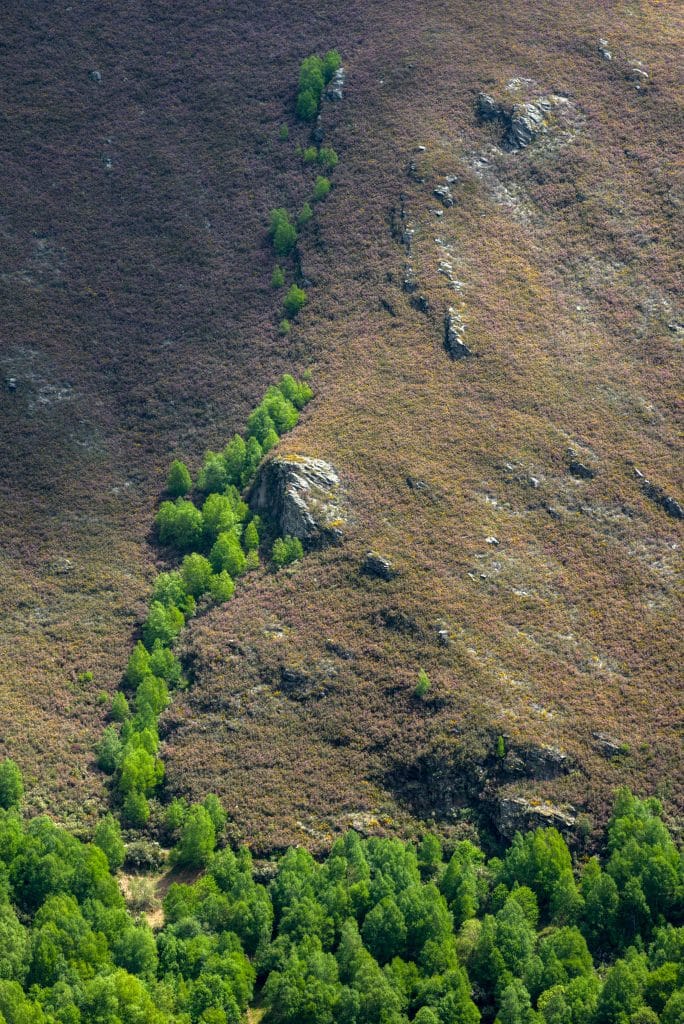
[(136, 276)]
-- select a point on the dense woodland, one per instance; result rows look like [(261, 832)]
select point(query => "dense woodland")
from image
[(380, 932)]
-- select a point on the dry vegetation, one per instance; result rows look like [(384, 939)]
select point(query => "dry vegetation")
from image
[(141, 325)]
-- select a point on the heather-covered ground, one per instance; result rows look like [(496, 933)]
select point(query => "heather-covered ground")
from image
[(140, 324)]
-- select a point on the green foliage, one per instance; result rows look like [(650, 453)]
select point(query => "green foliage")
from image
[(328, 158), (304, 215), (197, 838), (284, 133), (311, 82), (277, 277), (179, 524), (286, 550), (165, 665), (227, 555), (321, 188), (331, 63), (310, 155), (162, 625), (284, 327), (295, 300), (169, 589), (196, 572), (178, 480), (422, 687), (11, 784), (108, 838), (500, 748), (283, 232), (221, 587), (120, 710), (298, 393)]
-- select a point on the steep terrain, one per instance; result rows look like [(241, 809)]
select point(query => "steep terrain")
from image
[(536, 576)]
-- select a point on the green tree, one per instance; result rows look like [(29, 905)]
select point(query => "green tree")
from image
[(331, 63), (328, 158), (14, 946), (218, 513), (234, 459), (11, 784), (120, 710), (162, 625), (197, 838), (277, 277), (250, 538), (286, 550), (135, 809), (227, 555), (196, 571), (254, 453), (283, 232), (108, 838), (221, 587), (179, 524), (384, 930), (299, 393), (178, 480), (213, 475), (321, 188), (165, 665)]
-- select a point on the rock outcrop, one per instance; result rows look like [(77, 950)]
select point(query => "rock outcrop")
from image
[(517, 814), (659, 497), (522, 122), (301, 497), (454, 329), (335, 89), (378, 567)]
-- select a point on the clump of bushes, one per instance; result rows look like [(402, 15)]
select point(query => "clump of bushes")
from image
[(314, 74), (423, 685), (286, 550)]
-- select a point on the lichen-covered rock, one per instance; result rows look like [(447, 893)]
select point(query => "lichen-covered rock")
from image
[(301, 497), (443, 193), (335, 90), (517, 814), (454, 329), (522, 122)]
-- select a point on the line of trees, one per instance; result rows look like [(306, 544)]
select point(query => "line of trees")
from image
[(219, 540)]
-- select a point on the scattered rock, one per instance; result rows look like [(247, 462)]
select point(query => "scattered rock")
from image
[(395, 619), (95, 76), (454, 329), (11, 383), (606, 745), (107, 163), (487, 108), (409, 283), (378, 567), (492, 540), (443, 193), (413, 172), (517, 814), (419, 149), (603, 49), (301, 496), (579, 469), (545, 762), (335, 90), (421, 303), (638, 74), (659, 497)]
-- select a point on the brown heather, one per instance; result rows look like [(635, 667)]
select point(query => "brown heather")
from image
[(140, 324)]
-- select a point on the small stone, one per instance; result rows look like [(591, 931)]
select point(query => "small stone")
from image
[(95, 76), (454, 329), (11, 383), (603, 49), (606, 745), (534, 481), (419, 149), (492, 540), (335, 90), (580, 470)]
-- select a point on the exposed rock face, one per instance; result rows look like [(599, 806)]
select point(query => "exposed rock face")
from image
[(659, 497), (522, 122), (516, 814), (301, 496), (335, 90), (454, 329), (378, 567)]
